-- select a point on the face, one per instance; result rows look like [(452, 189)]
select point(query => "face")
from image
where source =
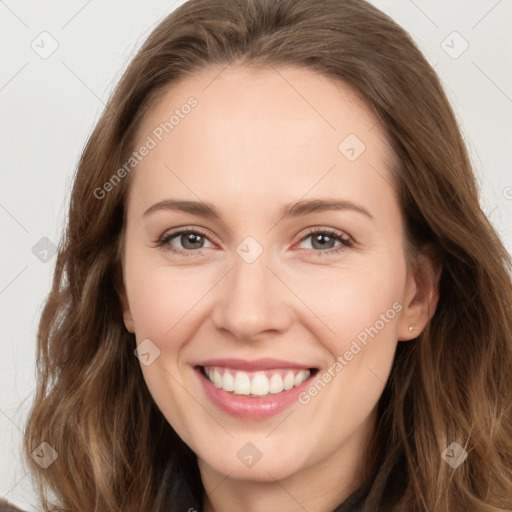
[(264, 252)]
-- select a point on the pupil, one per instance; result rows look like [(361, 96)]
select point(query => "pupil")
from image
[(190, 239), (318, 239)]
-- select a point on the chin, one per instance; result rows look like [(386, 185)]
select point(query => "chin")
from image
[(272, 464)]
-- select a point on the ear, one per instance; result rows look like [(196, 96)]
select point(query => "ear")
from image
[(120, 288), (422, 295), (127, 314)]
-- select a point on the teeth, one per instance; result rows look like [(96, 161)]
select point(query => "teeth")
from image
[(288, 381), (217, 379), (298, 379), (258, 384), (276, 383), (242, 384), (228, 382)]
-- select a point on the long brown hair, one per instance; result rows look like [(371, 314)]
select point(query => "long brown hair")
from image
[(115, 449)]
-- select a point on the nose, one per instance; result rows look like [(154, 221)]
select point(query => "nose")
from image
[(252, 302)]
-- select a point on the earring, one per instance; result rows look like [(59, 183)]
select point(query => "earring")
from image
[(411, 328)]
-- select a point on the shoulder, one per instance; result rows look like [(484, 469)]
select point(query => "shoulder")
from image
[(5, 506)]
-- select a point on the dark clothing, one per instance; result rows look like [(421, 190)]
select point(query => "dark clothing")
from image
[(5, 506)]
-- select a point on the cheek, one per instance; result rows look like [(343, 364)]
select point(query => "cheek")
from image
[(346, 301), (161, 298), (163, 304), (363, 312), (366, 344)]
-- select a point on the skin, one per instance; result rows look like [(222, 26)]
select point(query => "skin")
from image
[(257, 140)]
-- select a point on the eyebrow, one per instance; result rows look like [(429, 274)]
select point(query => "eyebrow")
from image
[(297, 209)]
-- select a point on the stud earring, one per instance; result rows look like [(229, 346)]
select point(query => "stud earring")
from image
[(411, 328)]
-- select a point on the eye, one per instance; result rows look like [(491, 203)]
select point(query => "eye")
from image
[(189, 241), (327, 241)]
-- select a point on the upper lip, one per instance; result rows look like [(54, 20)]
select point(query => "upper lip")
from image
[(254, 365)]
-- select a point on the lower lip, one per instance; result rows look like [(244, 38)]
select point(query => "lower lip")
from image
[(256, 408)]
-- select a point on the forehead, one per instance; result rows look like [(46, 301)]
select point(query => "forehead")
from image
[(262, 131)]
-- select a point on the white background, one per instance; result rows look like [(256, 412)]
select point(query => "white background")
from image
[(49, 107)]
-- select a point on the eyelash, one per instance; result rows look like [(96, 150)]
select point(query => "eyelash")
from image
[(345, 240)]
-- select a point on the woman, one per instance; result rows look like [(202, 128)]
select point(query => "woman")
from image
[(274, 370)]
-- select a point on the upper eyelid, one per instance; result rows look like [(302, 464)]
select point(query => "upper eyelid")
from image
[(185, 229), (345, 239)]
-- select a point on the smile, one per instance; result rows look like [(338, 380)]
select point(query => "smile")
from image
[(256, 384), (253, 390)]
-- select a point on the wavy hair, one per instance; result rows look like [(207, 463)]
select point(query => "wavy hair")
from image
[(116, 451)]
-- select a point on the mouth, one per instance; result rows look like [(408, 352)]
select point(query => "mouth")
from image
[(256, 384), (258, 391)]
